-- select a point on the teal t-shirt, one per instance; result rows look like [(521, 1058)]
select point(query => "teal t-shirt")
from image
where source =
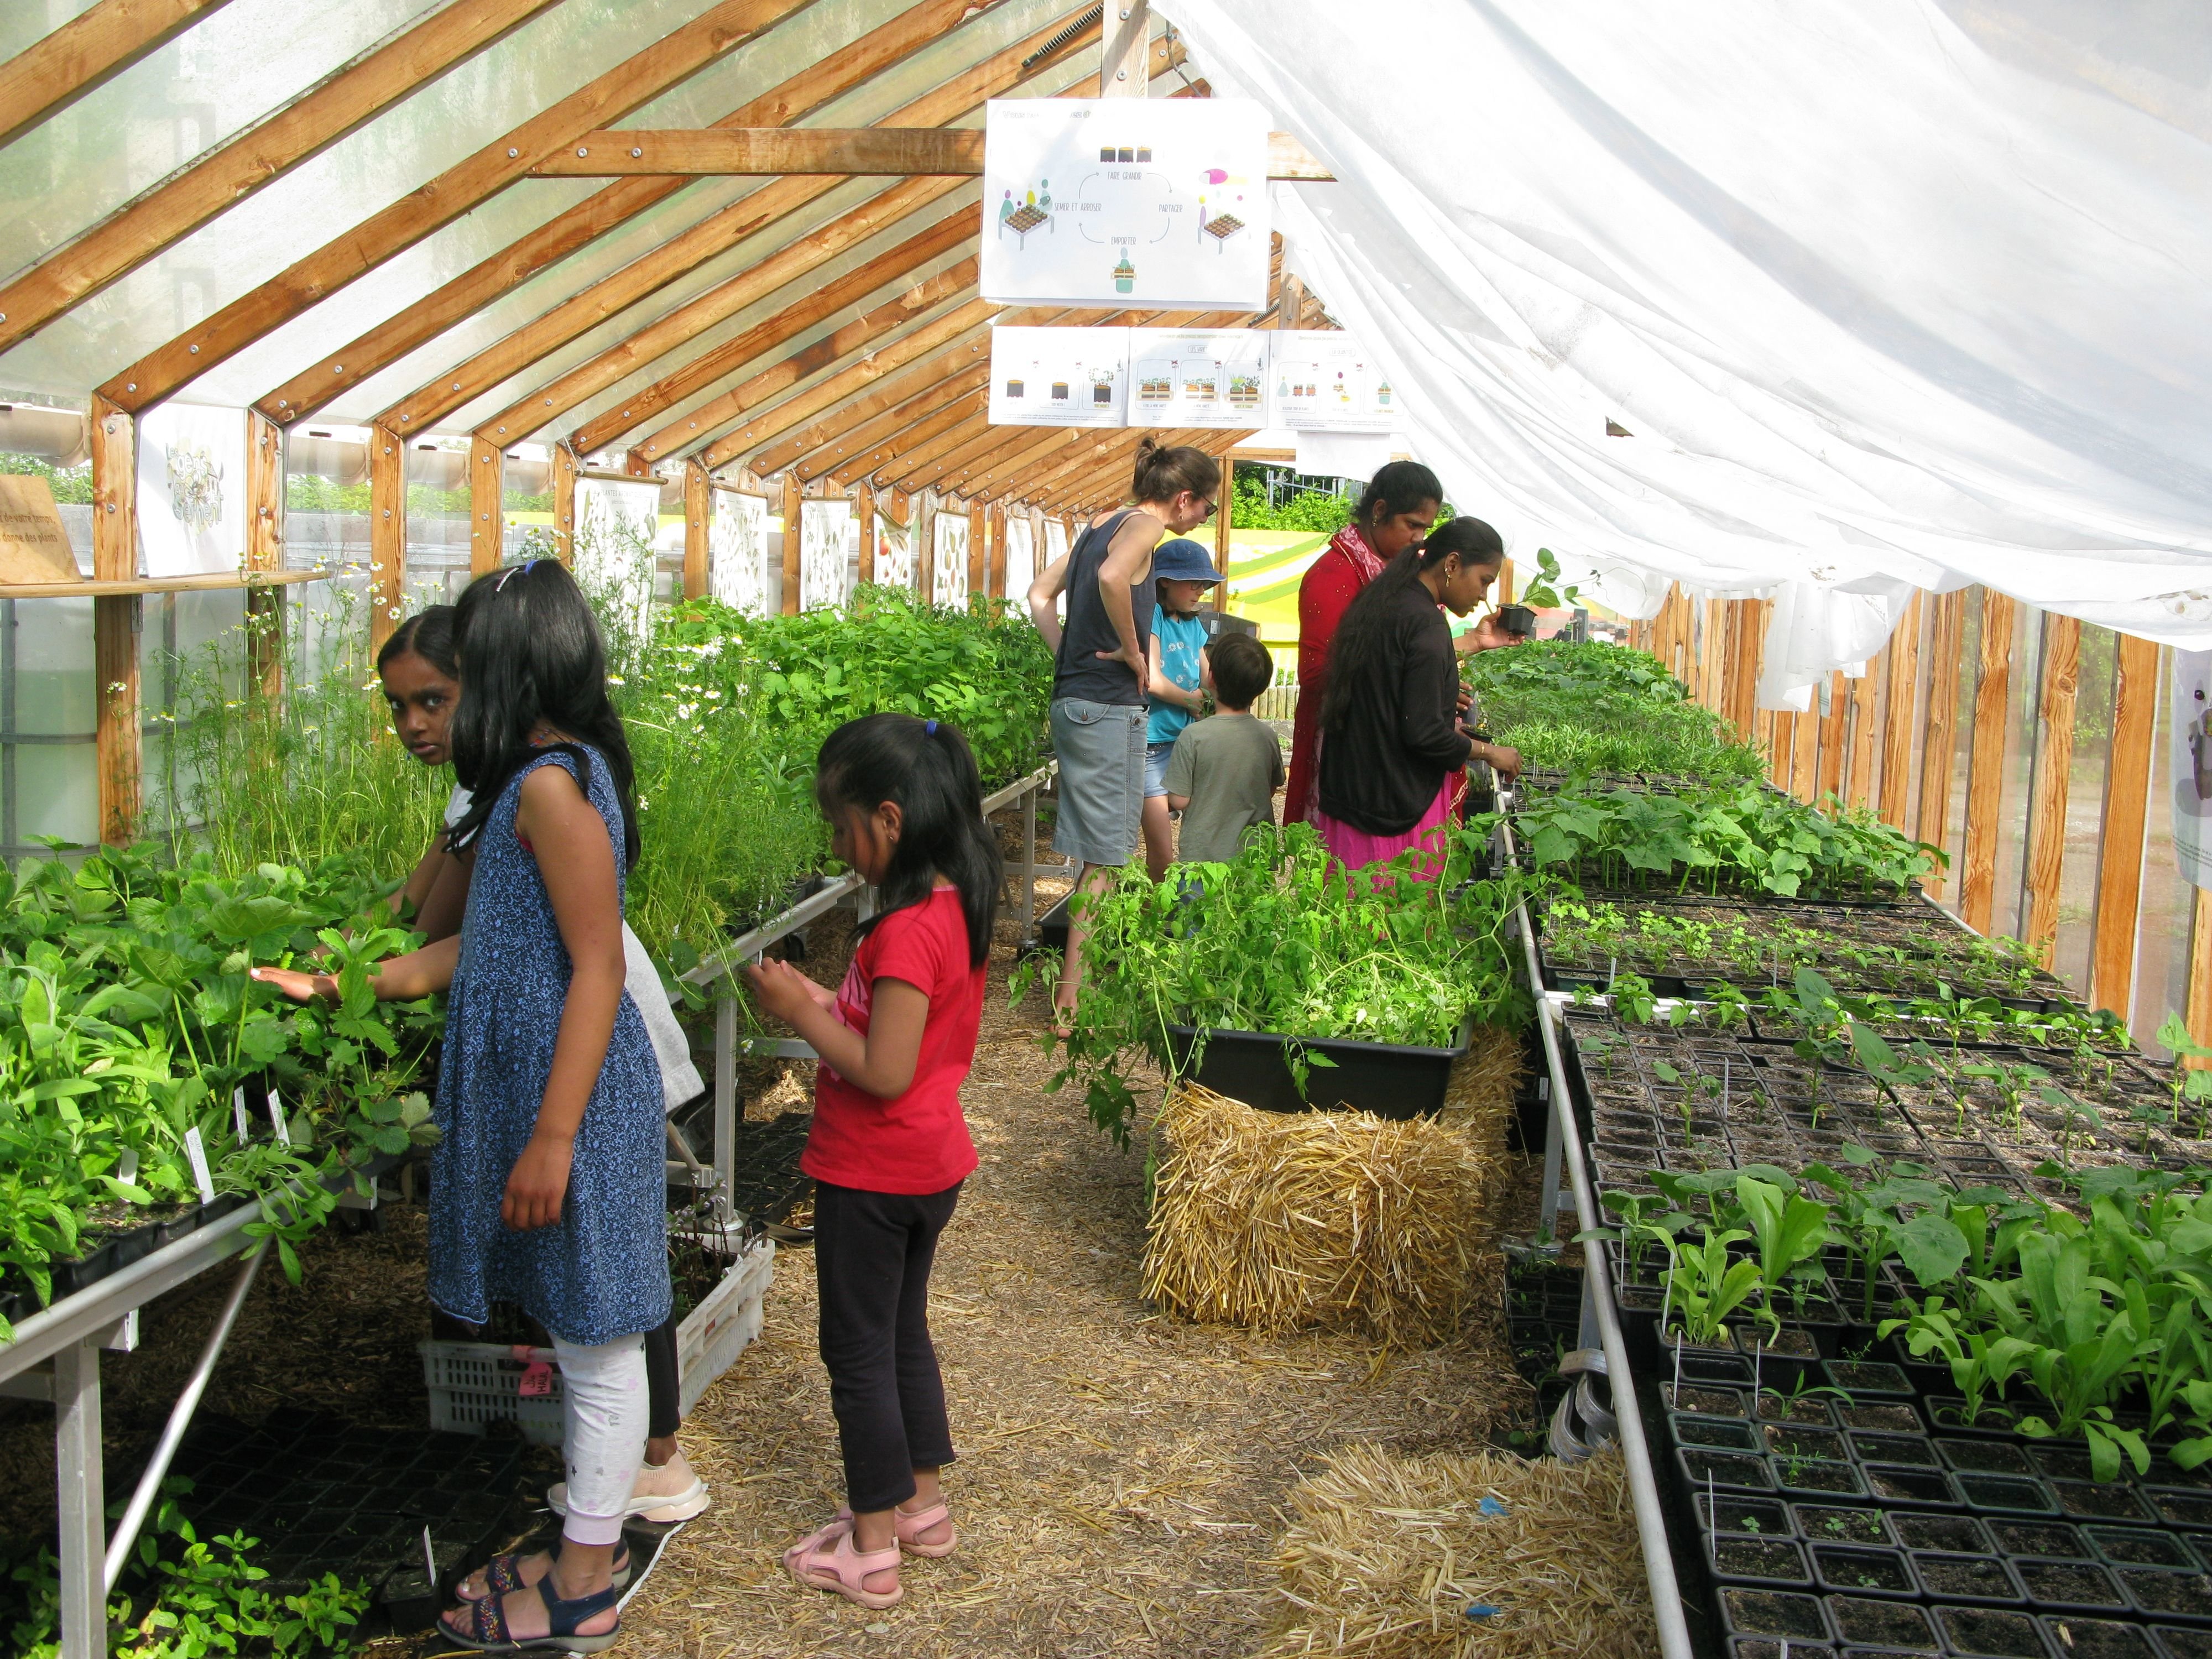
[(1181, 640)]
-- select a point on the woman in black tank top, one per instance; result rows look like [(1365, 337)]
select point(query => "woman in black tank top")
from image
[(1101, 676)]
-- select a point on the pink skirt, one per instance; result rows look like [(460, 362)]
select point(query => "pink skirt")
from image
[(1356, 849)]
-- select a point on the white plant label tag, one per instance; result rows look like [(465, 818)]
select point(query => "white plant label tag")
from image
[(197, 1154), (238, 1111), (277, 1119), (126, 1167)]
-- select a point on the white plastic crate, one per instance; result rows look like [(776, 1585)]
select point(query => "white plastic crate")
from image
[(714, 1333), (475, 1384)]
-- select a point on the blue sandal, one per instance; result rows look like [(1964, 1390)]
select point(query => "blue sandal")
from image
[(488, 1631), (503, 1573)]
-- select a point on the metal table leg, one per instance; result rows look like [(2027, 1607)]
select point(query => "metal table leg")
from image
[(1029, 859), (80, 1487), (726, 1099)]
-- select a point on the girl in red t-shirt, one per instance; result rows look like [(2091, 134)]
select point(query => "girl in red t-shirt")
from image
[(890, 1147)]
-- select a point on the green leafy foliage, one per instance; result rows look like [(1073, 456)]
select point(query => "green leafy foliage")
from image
[(1593, 709)]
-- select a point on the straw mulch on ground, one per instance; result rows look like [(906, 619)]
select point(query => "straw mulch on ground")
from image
[(1450, 1557)]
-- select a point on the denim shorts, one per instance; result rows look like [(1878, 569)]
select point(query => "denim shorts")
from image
[(1156, 767), (1101, 747)]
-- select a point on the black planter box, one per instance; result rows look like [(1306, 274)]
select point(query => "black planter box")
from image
[(1753, 1517), (1992, 1633), (1897, 1450), (1713, 1433), (1868, 1379), (1830, 1523), (1775, 1562), (2006, 1494), (2170, 1597), (1722, 1472), (1773, 1612), (2079, 1637), (2141, 1546), (1984, 1456), (2180, 1641), (2070, 1587), (1881, 1626), (2114, 1501), (1972, 1580), (1859, 1569), (1391, 1079), (1957, 1534), (2049, 1540), (1912, 1489)]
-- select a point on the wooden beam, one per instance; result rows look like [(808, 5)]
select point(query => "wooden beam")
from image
[(260, 311), (822, 446), (863, 508), (698, 523), (115, 619), (2127, 809), (790, 540), (487, 505), (388, 531), (1122, 66), (1899, 696), (1939, 737), (1859, 788), (994, 570), (1834, 744), (125, 238), (566, 468), (978, 551), (97, 43), (265, 551), (885, 359), (833, 152), (2200, 974), (931, 466), (2054, 770), (1805, 755), (1977, 878), (964, 408), (724, 301), (461, 297)]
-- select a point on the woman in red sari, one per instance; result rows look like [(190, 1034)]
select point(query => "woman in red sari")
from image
[(1398, 505)]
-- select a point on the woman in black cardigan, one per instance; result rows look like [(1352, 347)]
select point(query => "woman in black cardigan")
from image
[(1391, 737)]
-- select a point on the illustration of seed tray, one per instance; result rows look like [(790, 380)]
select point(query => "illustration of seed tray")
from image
[(1222, 228), (1023, 220)]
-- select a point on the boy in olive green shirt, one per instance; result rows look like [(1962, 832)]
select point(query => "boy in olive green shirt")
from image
[(1225, 771)]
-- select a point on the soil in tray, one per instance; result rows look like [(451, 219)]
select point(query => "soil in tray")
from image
[(1790, 1441), (1725, 1469), (1991, 1633), (2053, 1540), (2181, 1643), (2086, 1500), (1911, 1486), (2100, 1638), (2138, 1546), (1965, 1577), (1869, 1622), (1807, 1475), (2078, 1586), (2182, 1509), (1984, 1456), (2005, 1492), (1758, 1517), (1907, 1449), (2162, 1595), (1764, 1560), (1883, 1418), (1827, 1525), (1706, 1402), (1862, 1571), (1798, 1408), (1716, 1433), (1774, 1613), (1961, 1533), (1868, 1378)]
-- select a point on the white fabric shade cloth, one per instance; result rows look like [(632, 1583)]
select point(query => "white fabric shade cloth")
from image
[(1888, 293)]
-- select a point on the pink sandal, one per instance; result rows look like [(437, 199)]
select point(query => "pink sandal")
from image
[(838, 1567), (909, 1529)]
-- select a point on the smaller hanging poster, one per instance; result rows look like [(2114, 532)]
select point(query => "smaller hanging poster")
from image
[(616, 522), (1021, 556), (1325, 378), (191, 490), (1055, 539), (893, 554), (1059, 376), (2190, 765), (949, 578), (823, 554), (1198, 377), (737, 547)]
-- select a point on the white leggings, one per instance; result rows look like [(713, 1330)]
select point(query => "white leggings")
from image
[(607, 1411)]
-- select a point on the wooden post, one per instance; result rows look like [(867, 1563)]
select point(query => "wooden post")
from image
[(792, 511), (265, 550), (565, 469), (977, 552), (1710, 655), (2054, 767), (1805, 755), (863, 508), (487, 505), (2127, 803), (1748, 621), (1977, 878), (1859, 788), (1897, 727), (1505, 594), (115, 618), (1939, 732), (1225, 546), (994, 568), (2200, 975), (1128, 33), (698, 521), (388, 531), (1833, 735)]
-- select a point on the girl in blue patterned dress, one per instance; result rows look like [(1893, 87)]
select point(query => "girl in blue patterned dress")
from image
[(549, 1187)]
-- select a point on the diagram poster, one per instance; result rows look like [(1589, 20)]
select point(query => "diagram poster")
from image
[(1059, 376), (1116, 202), (1198, 377), (1325, 379)]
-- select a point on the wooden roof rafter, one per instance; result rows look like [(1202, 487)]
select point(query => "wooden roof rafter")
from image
[(104, 40)]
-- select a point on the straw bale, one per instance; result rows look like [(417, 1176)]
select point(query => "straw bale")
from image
[(1386, 1555), (1283, 1221)]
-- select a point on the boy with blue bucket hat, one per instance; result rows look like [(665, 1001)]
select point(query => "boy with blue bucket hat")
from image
[(1181, 572)]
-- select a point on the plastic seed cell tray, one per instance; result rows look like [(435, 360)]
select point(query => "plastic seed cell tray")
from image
[(2087, 1500), (1992, 1633), (1961, 1534), (1983, 1456), (1862, 1622), (2137, 1546), (1978, 1579), (1779, 1562), (1863, 1572), (1798, 1618), (1822, 1524), (2050, 1540), (2158, 1593), (2070, 1587), (2079, 1637)]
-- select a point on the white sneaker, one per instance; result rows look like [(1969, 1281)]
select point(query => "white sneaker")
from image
[(670, 1493)]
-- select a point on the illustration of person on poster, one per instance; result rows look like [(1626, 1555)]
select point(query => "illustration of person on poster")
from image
[(2190, 765)]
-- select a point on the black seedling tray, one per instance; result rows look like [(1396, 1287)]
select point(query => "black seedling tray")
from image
[(1391, 1079)]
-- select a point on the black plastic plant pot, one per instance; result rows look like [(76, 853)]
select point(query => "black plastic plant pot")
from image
[(1992, 1633), (1797, 1440), (2089, 1500), (1391, 1079), (2179, 1642), (2052, 1541), (1721, 1369), (2070, 1587), (1993, 1421), (1961, 1534), (1868, 1379), (2069, 1462), (1722, 1472), (1777, 1563), (1807, 1409), (75, 1273), (1794, 1617), (1882, 1416), (1714, 1433), (1983, 1456), (1976, 1580), (1806, 1477), (2141, 1546), (1858, 1571), (2006, 1494), (1770, 1647), (2174, 1597), (1884, 1626), (2184, 1509), (1704, 1402), (1912, 1488), (1829, 1524), (1900, 1450), (1755, 1517), (2097, 1639)]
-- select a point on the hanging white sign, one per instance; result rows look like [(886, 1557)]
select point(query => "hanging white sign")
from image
[(737, 548), (893, 554), (1021, 556), (1198, 377), (822, 553), (2190, 765), (949, 580), (616, 522), (1059, 376), (1324, 378), (1126, 201), (191, 490)]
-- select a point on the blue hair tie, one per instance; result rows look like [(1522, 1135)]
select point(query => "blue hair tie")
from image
[(929, 729)]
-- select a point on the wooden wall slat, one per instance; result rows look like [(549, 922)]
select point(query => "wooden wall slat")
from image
[(1900, 700), (1858, 788), (1939, 726), (792, 535), (265, 550), (1977, 876), (2054, 769), (2127, 809), (115, 619), (863, 508), (566, 468), (698, 525), (487, 505), (1834, 735), (387, 532), (2200, 975)]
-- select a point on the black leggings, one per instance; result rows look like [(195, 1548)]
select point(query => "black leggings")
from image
[(663, 1396), (873, 1253)]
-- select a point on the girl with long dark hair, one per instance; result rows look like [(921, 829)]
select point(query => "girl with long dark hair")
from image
[(1399, 503), (547, 1183), (1391, 736), (890, 1148)]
